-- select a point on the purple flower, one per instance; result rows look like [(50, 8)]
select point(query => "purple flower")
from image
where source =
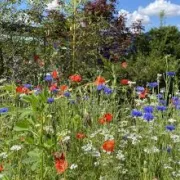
[(107, 90), (153, 84), (136, 113), (170, 127), (48, 78), (50, 100), (161, 108), (3, 110), (171, 74), (148, 109), (67, 94), (27, 86), (148, 117), (139, 89), (159, 96), (162, 102), (100, 87), (169, 149)]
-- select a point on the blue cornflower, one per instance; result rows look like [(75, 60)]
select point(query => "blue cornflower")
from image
[(50, 100), (55, 90), (170, 73), (3, 110), (100, 87), (153, 84), (175, 101), (37, 91), (148, 117), (107, 90), (175, 98), (159, 96), (136, 113), (67, 94), (139, 89), (170, 127), (48, 78), (148, 109), (177, 106), (27, 86), (162, 102), (161, 108), (169, 149)]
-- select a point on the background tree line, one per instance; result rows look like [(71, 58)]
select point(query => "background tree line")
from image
[(85, 37)]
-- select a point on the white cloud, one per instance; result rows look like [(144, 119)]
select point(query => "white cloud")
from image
[(157, 6), (54, 5), (135, 16), (153, 9)]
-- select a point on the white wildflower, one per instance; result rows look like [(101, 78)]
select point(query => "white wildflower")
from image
[(162, 90), (154, 138), (166, 166), (176, 174), (88, 147), (153, 149), (96, 163), (95, 133), (175, 138), (16, 148), (108, 137), (135, 138), (73, 166), (1, 176), (102, 178), (120, 155), (171, 120), (49, 129), (96, 153), (124, 171), (147, 150), (66, 138), (4, 155)]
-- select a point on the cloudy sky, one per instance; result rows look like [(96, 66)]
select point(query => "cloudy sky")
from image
[(148, 11)]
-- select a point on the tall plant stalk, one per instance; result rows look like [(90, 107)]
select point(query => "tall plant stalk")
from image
[(74, 35)]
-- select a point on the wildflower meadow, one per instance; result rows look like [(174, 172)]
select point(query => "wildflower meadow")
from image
[(83, 96)]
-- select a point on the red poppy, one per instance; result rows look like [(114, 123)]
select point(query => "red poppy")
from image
[(124, 64), (63, 87), (143, 94), (109, 145), (80, 136), (19, 89), (1, 168), (102, 121), (36, 58), (55, 74), (53, 87), (108, 117), (75, 78), (22, 90), (60, 163), (124, 81), (100, 80)]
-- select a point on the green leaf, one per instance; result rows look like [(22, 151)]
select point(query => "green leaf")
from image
[(22, 126)]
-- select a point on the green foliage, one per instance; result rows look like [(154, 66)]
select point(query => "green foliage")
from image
[(155, 52)]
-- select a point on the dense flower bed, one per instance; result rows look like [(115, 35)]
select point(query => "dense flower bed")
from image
[(74, 130)]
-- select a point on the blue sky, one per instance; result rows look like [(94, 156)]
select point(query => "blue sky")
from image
[(146, 10), (150, 9)]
